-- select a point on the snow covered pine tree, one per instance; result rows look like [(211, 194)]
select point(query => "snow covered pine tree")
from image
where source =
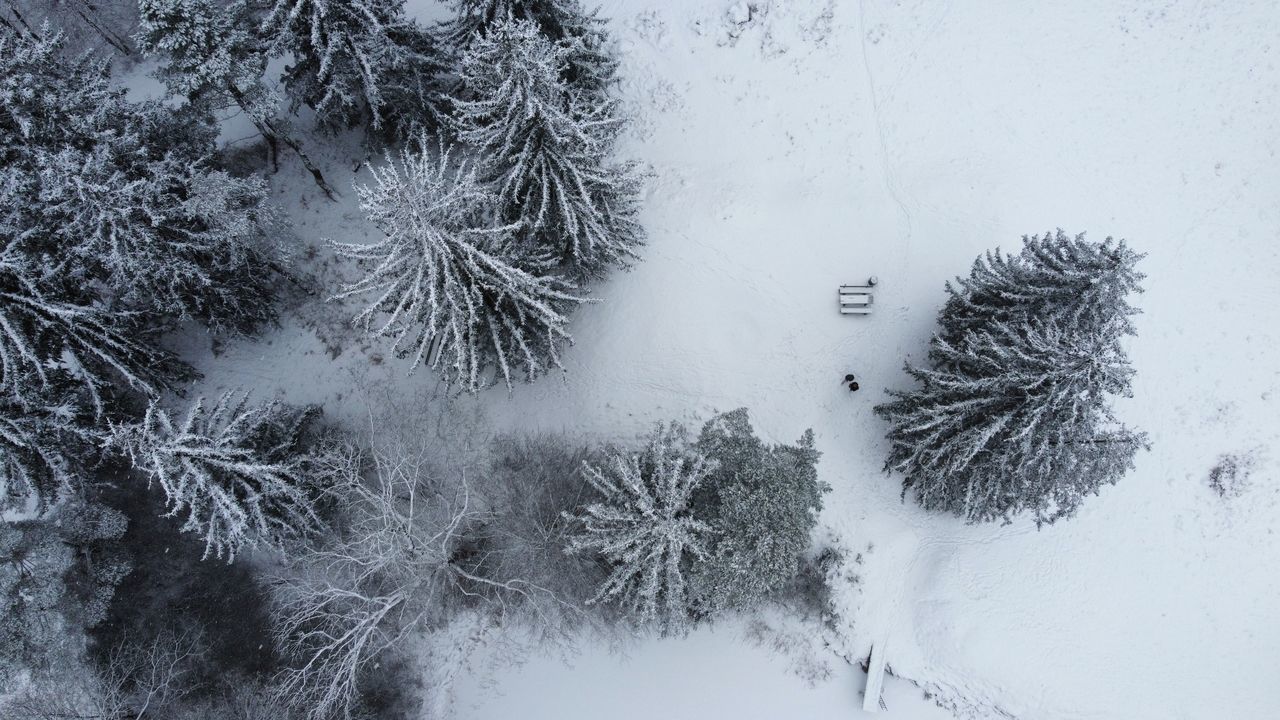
[(61, 365), (45, 437), (441, 275), (215, 58), (645, 528), (358, 61), (238, 472), (69, 341), (170, 235), (762, 503), (205, 49), (1013, 415), (50, 345), (591, 67), (545, 148), (120, 203)]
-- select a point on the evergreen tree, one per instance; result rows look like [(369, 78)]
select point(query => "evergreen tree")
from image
[(413, 86), (63, 369), (358, 62), (546, 150), (239, 473), (645, 527), (168, 236), (114, 222), (123, 206), (48, 344), (1078, 284), (441, 278), (338, 49), (762, 503), (553, 18), (206, 50), (215, 58), (590, 66), (43, 442), (57, 577), (1013, 413), (48, 101)]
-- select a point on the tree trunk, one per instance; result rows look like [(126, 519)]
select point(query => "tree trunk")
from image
[(274, 136), (310, 166), (17, 16), (113, 39)]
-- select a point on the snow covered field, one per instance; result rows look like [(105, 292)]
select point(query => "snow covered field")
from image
[(800, 145)]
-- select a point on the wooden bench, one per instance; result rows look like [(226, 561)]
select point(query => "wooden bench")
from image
[(856, 299)]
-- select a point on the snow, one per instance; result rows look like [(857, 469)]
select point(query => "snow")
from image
[(709, 674), (821, 142)]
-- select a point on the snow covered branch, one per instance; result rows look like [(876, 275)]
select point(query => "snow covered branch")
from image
[(439, 276), (42, 443), (235, 471), (643, 526), (45, 341), (546, 150)]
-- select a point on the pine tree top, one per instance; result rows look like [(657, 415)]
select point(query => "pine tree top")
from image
[(442, 275), (545, 148), (1055, 276), (208, 49), (644, 527)]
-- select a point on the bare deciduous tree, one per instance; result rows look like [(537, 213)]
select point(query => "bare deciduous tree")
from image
[(143, 680), (154, 673), (410, 556)]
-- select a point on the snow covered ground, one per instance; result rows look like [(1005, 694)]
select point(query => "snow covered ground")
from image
[(707, 675), (800, 145)]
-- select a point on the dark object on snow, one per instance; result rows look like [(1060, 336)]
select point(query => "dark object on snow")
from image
[(853, 387), (849, 378)]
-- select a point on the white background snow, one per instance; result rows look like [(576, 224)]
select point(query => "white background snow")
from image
[(799, 145)]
